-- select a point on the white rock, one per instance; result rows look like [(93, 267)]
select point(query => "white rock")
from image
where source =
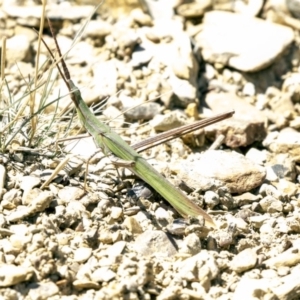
[(140, 58), (70, 193), (271, 205), (288, 258), (17, 49), (42, 290), (216, 168), (257, 156), (83, 147), (103, 274), (211, 199), (270, 174), (269, 273), (82, 254), (246, 126), (116, 212), (145, 111), (248, 289), (154, 242), (97, 28), (116, 249), (249, 89), (168, 121), (11, 274), (287, 141), (286, 188), (244, 260), (246, 198), (19, 241), (230, 39)]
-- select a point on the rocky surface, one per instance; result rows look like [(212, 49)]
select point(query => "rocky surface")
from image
[(144, 72)]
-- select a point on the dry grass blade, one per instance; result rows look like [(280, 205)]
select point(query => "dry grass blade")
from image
[(33, 94)]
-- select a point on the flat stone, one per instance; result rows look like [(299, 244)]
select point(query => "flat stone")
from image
[(231, 38), (11, 274), (85, 284), (216, 168), (116, 212), (82, 254), (97, 29), (287, 258), (83, 147), (271, 205), (244, 261), (145, 111), (154, 242), (246, 126), (70, 193), (103, 274), (17, 49), (168, 121), (246, 198), (287, 141), (257, 156), (106, 236), (211, 199), (286, 188), (42, 290), (140, 57), (289, 287), (248, 289), (116, 249)]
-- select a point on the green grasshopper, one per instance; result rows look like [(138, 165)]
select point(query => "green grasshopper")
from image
[(110, 142)]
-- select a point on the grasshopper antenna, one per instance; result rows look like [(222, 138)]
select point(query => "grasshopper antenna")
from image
[(65, 74)]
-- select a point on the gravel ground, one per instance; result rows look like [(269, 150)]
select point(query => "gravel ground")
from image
[(148, 71)]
